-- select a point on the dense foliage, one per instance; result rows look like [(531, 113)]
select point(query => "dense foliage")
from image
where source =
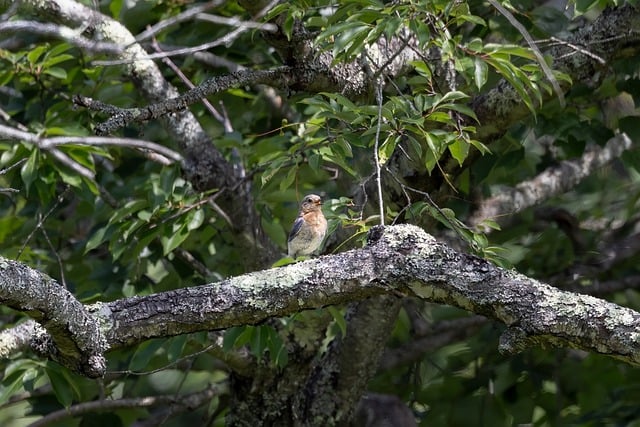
[(421, 103)]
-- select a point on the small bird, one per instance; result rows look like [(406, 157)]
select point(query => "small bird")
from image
[(309, 228)]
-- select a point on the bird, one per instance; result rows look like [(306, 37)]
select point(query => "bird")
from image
[(309, 228)]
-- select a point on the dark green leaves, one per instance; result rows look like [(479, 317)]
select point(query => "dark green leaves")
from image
[(259, 339)]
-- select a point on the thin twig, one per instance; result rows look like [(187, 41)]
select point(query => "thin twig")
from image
[(375, 151), (181, 17), (42, 219), (15, 165), (192, 400), (57, 255), (575, 47), (165, 367), (225, 40), (169, 63), (235, 22)]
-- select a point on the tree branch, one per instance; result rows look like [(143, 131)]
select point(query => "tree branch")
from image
[(65, 33), (122, 117), (172, 403), (49, 144), (398, 260), (551, 182), (74, 337)]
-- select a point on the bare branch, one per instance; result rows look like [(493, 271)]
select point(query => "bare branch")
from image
[(50, 144), (549, 183), (67, 34), (235, 22), (171, 403), (123, 117), (174, 20)]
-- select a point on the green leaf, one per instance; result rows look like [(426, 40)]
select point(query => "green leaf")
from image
[(100, 236), (422, 68), (490, 224), (237, 336), (454, 95), (273, 168), (386, 149), (289, 178), (277, 10), (508, 71), (195, 219), (339, 319), (481, 71), (57, 72), (70, 178), (259, 340), (314, 162), (177, 234), (277, 350), (35, 53), (459, 149), (28, 170), (62, 385), (481, 240), (462, 108), (56, 59), (115, 6), (583, 6), (129, 208), (175, 347), (144, 353), (11, 384)]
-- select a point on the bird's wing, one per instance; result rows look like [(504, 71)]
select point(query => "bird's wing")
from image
[(297, 225)]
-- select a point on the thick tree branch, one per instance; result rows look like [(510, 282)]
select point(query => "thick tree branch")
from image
[(75, 338), (551, 182), (399, 259)]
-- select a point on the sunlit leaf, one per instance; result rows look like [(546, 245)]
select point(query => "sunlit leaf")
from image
[(459, 149), (480, 73)]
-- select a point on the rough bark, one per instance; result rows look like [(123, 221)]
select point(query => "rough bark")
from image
[(551, 182), (400, 260)]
